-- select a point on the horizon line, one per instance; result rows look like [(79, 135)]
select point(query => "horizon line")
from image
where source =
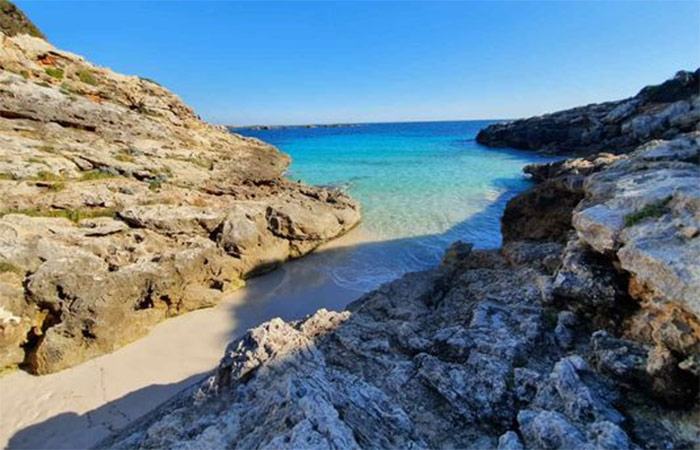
[(341, 124)]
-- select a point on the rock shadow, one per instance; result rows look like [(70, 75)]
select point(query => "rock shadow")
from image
[(68, 430)]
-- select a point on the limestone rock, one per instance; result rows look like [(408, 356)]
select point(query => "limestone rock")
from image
[(119, 207), (638, 209), (664, 111), (451, 357)]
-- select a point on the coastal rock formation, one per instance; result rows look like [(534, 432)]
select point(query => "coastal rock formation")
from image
[(119, 208), (468, 355), (656, 112), (631, 259), (587, 338)]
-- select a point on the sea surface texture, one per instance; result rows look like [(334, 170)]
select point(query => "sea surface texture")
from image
[(422, 186)]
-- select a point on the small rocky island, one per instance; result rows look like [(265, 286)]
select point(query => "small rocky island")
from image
[(582, 331), (119, 207)]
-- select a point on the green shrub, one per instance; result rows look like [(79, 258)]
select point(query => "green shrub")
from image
[(96, 175), (200, 162), (155, 185), (8, 267), (74, 215), (45, 175), (87, 77), (57, 187), (66, 89), (124, 157), (54, 72), (655, 209)]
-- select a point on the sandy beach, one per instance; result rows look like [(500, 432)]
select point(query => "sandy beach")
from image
[(78, 407)]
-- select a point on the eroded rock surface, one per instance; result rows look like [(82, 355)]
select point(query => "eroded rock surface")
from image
[(119, 208), (465, 356), (657, 112)]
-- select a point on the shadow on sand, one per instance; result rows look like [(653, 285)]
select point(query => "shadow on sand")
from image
[(332, 278)]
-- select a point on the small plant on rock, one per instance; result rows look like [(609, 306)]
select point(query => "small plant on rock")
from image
[(74, 215), (124, 157), (8, 267), (87, 77), (652, 210), (54, 72), (57, 187), (45, 175), (96, 175)]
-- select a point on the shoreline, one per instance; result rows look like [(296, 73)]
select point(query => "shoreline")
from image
[(79, 406)]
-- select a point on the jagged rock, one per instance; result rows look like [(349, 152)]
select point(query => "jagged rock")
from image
[(573, 170), (564, 332), (567, 392), (425, 361), (510, 441), (120, 207), (457, 253), (607, 436), (451, 357), (549, 430), (638, 209), (542, 213), (636, 365), (545, 255), (589, 284), (662, 111)]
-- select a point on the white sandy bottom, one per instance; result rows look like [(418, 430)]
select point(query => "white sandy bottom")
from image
[(80, 406)]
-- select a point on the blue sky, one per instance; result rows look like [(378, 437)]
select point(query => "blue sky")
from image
[(315, 62)]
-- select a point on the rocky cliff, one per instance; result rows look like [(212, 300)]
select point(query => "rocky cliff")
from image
[(581, 332), (14, 22), (656, 112), (119, 208)]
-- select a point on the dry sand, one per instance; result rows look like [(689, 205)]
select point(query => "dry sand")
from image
[(79, 406)]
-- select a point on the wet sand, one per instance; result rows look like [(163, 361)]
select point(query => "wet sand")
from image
[(78, 407)]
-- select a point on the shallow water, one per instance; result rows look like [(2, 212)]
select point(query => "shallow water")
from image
[(422, 185)]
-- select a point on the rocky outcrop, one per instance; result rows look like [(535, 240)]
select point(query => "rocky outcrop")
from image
[(543, 213), (469, 355), (630, 263), (657, 112), (644, 212), (119, 208)]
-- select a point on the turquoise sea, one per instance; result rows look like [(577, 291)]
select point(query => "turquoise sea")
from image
[(422, 185)]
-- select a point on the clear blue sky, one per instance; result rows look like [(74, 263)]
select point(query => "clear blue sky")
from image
[(315, 62)]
